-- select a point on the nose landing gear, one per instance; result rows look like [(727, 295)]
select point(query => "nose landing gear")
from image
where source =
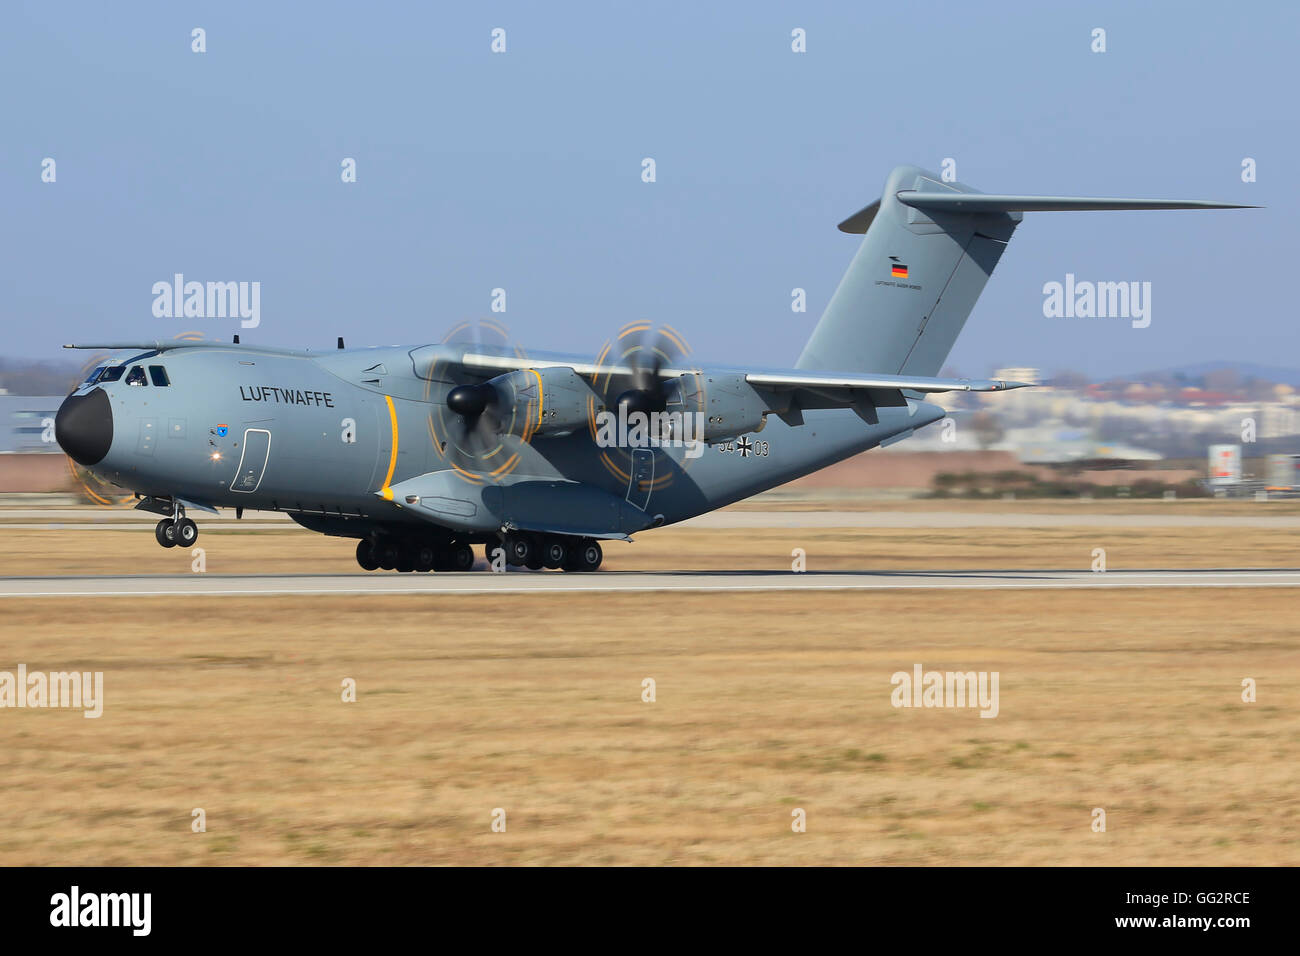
[(176, 530)]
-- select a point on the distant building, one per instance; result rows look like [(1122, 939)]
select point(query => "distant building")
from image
[(27, 423), (1278, 421)]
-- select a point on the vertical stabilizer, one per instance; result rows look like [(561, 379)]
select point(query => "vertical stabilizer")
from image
[(913, 282)]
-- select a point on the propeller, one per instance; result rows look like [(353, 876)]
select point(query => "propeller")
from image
[(470, 401), (645, 369), (469, 419), (646, 351)]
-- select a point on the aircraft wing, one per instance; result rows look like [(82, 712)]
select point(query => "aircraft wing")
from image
[(789, 393), (778, 380), (830, 381)]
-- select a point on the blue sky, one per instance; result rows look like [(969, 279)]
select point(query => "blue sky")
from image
[(522, 170)]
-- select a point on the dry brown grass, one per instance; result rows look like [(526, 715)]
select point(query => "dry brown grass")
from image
[(1123, 700), (293, 551)]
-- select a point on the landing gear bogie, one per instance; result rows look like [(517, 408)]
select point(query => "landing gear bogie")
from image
[(171, 532), (403, 555), (521, 549)]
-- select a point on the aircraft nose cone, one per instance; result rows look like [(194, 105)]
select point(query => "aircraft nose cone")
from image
[(83, 426)]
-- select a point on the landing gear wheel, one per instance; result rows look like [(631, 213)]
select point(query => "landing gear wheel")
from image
[(588, 557), (406, 558), (187, 532), (460, 558), (165, 532), (366, 556), (426, 558), (520, 550), (386, 555), (554, 553)]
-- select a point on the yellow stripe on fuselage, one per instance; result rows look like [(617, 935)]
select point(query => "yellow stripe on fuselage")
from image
[(541, 401), (386, 491)]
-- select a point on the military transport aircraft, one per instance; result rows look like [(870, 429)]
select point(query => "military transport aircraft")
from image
[(422, 452)]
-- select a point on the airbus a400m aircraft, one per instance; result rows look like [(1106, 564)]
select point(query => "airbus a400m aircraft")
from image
[(423, 452)]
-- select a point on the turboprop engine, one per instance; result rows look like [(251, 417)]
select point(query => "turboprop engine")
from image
[(525, 403)]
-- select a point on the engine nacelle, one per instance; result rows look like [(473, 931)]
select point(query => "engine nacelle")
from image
[(541, 401), (730, 405)]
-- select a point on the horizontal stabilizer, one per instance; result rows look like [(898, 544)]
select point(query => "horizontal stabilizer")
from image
[(985, 202), (858, 223)]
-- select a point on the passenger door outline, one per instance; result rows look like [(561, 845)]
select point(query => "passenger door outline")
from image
[(256, 465), (641, 481)]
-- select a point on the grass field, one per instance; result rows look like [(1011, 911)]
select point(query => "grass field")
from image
[(1125, 700), (1128, 701), (228, 550)]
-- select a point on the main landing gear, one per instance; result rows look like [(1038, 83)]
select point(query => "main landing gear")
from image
[(532, 551), (176, 530), (398, 555), (522, 550)]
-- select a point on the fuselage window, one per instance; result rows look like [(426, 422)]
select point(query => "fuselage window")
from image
[(159, 375), (136, 376), (112, 373)]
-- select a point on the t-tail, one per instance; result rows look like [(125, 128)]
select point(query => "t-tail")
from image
[(928, 248)]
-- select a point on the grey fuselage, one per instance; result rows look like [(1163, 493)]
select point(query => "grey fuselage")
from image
[(327, 436)]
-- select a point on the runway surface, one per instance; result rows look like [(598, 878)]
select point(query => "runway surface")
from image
[(484, 582)]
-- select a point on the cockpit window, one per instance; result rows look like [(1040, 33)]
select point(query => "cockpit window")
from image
[(158, 375), (136, 376), (94, 374), (112, 373)]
